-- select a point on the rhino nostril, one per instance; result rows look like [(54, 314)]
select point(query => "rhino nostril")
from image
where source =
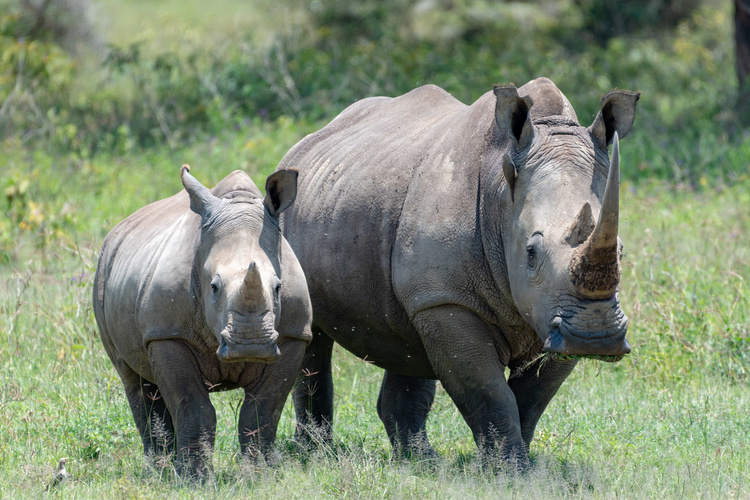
[(555, 323)]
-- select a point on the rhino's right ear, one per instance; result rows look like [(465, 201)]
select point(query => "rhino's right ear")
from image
[(281, 190), (512, 114), (201, 199), (616, 115)]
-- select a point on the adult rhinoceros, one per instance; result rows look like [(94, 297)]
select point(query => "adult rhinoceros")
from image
[(445, 241), (198, 293)]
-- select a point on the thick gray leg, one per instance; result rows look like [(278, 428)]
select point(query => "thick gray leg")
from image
[(265, 398), (460, 348), (403, 405), (185, 393), (534, 386), (150, 413), (313, 394)]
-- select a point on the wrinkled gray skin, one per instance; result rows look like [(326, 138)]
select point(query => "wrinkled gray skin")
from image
[(445, 241), (199, 293)]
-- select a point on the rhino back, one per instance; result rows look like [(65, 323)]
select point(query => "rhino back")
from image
[(382, 187)]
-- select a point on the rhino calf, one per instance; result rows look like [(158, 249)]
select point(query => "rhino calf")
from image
[(197, 293)]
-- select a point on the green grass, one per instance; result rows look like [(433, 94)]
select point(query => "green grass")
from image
[(669, 420)]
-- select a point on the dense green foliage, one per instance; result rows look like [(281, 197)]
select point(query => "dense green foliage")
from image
[(87, 139), (143, 95)]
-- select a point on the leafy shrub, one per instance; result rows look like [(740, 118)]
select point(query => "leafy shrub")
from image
[(604, 19), (63, 22), (347, 51)]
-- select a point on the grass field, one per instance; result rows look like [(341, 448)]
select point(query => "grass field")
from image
[(671, 420)]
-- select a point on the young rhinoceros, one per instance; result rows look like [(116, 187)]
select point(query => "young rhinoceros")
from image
[(196, 293)]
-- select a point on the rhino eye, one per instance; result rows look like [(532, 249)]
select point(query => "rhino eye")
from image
[(533, 250), (215, 287), (531, 253)]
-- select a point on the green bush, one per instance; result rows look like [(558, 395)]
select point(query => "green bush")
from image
[(604, 19), (142, 97)]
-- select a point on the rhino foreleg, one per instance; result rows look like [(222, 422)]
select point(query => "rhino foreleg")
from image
[(185, 393), (460, 348), (313, 394), (534, 386), (403, 405), (150, 412), (265, 398)]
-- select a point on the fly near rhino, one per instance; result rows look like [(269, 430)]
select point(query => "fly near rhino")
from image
[(449, 242), (200, 292)]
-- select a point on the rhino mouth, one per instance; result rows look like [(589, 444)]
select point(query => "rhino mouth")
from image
[(249, 339), (572, 336)]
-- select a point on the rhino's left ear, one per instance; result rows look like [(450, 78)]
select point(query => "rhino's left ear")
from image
[(201, 198), (512, 114), (617, 115), (281, 190)]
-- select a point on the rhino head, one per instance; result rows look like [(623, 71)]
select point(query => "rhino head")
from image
[(562, 197), (238, 265)]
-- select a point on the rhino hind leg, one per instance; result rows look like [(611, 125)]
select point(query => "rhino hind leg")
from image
[(150, 413), (185, 393), (313, 392), (534, 386), (403, 405)]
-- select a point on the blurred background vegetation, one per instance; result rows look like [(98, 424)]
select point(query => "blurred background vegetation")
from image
[(84, 76), (88, 85)]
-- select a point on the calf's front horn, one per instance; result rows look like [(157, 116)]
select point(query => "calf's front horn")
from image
[(252, 285), (595, 266)]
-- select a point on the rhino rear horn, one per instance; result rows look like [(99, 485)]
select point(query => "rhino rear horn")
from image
[(615, 116), (512, 114), (581, 227), (281, 190), (201, 198)]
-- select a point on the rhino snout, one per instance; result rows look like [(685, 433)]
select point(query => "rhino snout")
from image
[(605, 340), (249, 338)]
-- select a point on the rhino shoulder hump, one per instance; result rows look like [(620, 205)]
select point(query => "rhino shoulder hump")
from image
[(236, 181)]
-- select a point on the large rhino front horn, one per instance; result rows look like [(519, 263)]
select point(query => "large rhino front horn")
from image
[(595, 266)]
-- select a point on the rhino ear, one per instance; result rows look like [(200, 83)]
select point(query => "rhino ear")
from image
[(616, 115), (281, 190), (201, 199), (512, 114)]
